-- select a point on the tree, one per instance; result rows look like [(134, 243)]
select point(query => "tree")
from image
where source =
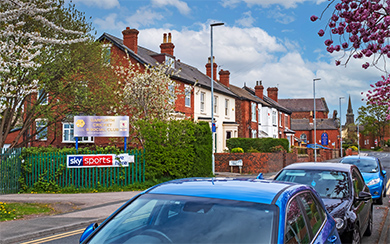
[(149, 93), (361, 29), (48, 61), (374, 119)]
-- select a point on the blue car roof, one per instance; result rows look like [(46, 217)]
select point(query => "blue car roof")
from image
[(252, 190)]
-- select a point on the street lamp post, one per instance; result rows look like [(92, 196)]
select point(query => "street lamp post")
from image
[(212, 92), (341, 138), (314, 120)]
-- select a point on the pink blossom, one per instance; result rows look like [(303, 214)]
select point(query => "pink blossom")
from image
[(338, 62), (345, 45), (328, 42), (366, 65), (313, 18)]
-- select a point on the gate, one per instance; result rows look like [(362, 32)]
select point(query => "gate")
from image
[(10, 165)]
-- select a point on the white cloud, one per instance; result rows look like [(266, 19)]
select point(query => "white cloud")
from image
[(180, 5), (247, 20), (105, 4), (109, 23), (267, 3), (143, 17)]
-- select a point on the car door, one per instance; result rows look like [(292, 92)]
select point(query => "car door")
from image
[(360, 207)]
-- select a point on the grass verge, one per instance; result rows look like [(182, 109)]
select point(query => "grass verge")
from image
[(16, 210)]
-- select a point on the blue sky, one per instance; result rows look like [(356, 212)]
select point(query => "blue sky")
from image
[(269, 40)]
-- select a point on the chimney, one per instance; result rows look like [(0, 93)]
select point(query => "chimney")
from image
[(208, 68), (130, 39), (167, 45), (273, 93), (259, 88), (224, 77)]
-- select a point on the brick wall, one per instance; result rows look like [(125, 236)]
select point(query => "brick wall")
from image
[(254, 163)]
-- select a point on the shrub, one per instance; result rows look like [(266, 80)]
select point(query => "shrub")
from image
[(237, 150), (354, 148), (252, 150), (260, 144)]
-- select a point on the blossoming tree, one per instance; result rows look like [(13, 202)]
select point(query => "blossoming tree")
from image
[(360, 29), (45, 50), (148, 94)]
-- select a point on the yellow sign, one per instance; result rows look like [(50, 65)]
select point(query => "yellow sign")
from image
[(80, 123)]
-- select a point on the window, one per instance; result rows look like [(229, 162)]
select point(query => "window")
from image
[(226, 107), (68, 136), (42, 97), (170, 62), (285, 121), (259, 114), (303, 137), (280, 119), (253, 107), (41, 129), (358, 183), (228, 135), (202, 97), (274, 118), (106, 53), (215, 104), (296, 230), (171, 90), (187, 95), (315, 214)]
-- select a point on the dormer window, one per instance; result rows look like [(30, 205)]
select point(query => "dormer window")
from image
[(169, 61)]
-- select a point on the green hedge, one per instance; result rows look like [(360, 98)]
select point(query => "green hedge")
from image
[(259, 144), (177, 149)]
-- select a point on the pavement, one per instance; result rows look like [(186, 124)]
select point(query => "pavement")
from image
[(88, 208)]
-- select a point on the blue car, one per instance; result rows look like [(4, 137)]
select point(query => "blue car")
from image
[(373, 174), (219, 210)]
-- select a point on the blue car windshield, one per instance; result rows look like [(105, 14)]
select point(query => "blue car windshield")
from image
[(365, 165), (329, 184), (157, 218)]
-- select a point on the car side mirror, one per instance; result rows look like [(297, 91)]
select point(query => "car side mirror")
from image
[(363, 196), (384, 172), (88, 231), (260, 176)]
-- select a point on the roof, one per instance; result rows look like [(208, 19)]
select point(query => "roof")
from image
[(252, 190), (246, 95), (187, 74), (304, 104), (321, 166), (322, 124), (270, 101)]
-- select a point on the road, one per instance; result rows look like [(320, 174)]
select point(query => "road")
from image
[(379, 221)]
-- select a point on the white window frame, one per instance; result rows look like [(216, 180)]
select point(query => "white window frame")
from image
[(226, 107), (280, 119), (259, 114), (37, 128), (171, 89), (215, 104), (71, 139), (253, 110), (274, 122), (202, 101), (286, 121), (187, 96), (45, 100)]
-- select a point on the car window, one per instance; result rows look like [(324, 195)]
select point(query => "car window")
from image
[(155, 218), (365, 165), (296, 229), (315, 213), (358, 182), (329, 184)]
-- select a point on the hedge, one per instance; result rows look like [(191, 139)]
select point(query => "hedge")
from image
[(259, 144)]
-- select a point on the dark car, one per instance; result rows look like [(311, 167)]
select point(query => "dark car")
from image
[(341, 186), (212, 210), (373, 174)]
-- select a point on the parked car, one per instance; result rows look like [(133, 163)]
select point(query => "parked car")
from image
[(219, 210), (373, 174), (345, 195)]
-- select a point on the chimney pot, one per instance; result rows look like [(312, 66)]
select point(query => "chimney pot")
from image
[(224, 77), (130, 39), (167, 45), (259, 89)]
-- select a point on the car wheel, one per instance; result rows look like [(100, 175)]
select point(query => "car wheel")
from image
[(380, 200), (368, 231), (356, 238), (384, 187)]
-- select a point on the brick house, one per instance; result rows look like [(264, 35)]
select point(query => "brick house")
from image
[(327, 130), (194, 102)]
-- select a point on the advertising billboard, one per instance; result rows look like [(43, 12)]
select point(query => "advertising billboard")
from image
[(99, 160), (101, 126)]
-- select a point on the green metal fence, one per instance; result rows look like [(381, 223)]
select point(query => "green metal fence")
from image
[(9, 170), (51, 168)]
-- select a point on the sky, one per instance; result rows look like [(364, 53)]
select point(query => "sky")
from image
[(269, 40)]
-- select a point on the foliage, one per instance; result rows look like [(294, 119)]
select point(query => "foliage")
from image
[(278, 148), (354, 148), (259, 144), (237, 150), (49, 67), (11, 211), (148, 92), (362, 29), (375, 121), (177, 149), (252, 150)]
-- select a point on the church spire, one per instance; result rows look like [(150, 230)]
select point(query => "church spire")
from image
[(350, 116)]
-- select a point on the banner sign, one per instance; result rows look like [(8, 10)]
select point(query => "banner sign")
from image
[(101, 126), (324, 139), (236, 162), (99, 160)]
